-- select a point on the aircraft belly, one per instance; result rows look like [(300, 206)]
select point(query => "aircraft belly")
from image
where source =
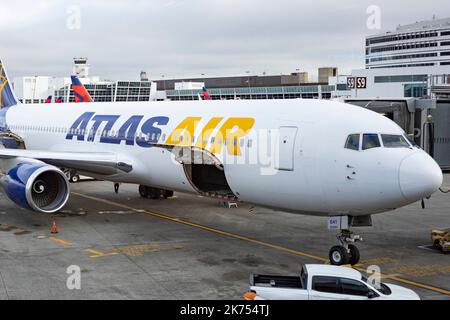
[(288, 190)]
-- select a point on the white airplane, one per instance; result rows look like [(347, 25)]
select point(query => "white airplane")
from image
[(312, 157)]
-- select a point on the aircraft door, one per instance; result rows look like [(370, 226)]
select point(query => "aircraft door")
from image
[(286, 144)]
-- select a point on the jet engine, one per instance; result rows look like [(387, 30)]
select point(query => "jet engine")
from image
[(39, 187)]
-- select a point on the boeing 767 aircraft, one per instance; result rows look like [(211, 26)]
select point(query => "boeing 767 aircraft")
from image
[(312, 157)]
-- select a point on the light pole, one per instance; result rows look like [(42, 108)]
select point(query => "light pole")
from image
[(248, 78), (203, 79), (248, 82)]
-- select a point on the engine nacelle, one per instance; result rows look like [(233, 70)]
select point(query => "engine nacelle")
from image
[(43, 188)]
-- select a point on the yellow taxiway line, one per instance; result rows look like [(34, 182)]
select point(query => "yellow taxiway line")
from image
[(98, 254), (61, 241), (262, 243)]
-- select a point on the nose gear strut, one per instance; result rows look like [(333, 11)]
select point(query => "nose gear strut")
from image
[(347, 252)]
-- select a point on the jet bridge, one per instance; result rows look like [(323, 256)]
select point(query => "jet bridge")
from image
[(441, 119)]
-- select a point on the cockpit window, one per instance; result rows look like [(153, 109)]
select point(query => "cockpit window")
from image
[(352, 142), (370, 140), (394, 141)]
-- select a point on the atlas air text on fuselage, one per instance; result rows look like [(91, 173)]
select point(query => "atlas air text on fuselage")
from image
[(145, 133)]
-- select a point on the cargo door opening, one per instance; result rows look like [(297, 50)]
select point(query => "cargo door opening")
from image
[(208, 180), (204, 171)]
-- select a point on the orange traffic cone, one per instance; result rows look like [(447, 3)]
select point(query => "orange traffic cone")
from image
[(54, 228)]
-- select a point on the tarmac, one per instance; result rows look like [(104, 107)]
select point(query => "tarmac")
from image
[(190, 247)]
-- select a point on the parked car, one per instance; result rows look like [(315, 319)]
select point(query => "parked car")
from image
[(323, 282)]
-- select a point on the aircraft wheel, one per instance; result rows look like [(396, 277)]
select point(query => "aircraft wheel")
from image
[(437, 244), (154, 193), (354, 254), (339, 256), (75, 178), (167, 194), (143, 191)]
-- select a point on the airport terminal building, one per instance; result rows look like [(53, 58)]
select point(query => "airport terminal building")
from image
[(113, 91), (421, 44), (293, 86), (411, 61), (35, 89)]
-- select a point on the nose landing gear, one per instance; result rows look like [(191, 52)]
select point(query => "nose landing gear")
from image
[(347, 252)]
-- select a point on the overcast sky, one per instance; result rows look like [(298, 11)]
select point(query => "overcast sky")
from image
[(192, 37)]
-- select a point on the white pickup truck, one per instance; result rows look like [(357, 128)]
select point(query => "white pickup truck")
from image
[(323, 282)]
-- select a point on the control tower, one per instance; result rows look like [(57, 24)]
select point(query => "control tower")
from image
[(80, 67)]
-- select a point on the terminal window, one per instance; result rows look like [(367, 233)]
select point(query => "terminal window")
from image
[(400, 78)]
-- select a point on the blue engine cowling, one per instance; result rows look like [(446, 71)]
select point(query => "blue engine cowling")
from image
[(43, 188)]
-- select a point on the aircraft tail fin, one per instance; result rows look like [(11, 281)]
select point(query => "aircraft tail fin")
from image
[(206, 95), (79, 91), (7, 96)]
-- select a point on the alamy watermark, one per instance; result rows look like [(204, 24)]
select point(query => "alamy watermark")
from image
[(375, 276), (73, 21), (269, 150), (374, 19), (74, 279)]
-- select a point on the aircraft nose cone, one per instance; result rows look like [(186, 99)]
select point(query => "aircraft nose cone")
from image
[(420, 176)]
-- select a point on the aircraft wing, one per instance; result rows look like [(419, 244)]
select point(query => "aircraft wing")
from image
[(87, 162)]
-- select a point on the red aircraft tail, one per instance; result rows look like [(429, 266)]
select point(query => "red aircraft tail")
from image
[(206, 95), (79, 91)]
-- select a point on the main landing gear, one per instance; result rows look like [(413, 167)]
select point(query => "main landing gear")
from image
[(154, 193), (347, 252)]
